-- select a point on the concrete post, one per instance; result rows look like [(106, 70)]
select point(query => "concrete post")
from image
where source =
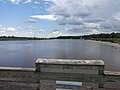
[(61, 65), (101, 72), (37, 84), (44, 84), (47, 85)]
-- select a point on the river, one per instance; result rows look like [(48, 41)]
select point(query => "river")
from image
[(25, 53)]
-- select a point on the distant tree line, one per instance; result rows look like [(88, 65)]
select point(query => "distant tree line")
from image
[(19, 38), (112, 37), (102, 35), (68, 37), (93, 36)]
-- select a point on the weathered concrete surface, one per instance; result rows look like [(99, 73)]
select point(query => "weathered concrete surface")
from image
[(111, 73), (60, 76), (13, 72), (36, 74), (47, 85), (69, 64), (69, 61), (17, 69)]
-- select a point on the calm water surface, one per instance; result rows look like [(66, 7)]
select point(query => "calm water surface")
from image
[(25, 53)]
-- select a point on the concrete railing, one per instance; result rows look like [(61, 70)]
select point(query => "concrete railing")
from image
[(64, 64), (48, 71)]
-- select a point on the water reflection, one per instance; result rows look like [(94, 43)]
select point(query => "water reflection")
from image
[(25, 53)]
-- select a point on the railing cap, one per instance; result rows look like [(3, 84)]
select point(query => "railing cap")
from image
[(69, 61)]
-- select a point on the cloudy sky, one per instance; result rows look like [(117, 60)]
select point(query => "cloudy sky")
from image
[(49, 18)]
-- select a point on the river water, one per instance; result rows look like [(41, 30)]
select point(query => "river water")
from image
[(25, 53)]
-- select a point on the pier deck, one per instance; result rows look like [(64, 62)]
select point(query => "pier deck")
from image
[(48, 71)]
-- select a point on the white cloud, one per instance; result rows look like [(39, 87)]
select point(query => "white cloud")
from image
[(2, 29), (116, 16), (36, 2), (74, 12), (30, 21), (56, 33), (19, 28), (93, 16), (92, 25), (28, 1), (22, 32), (81, 16), (29, 32), (11, 29), (110, 25), (45, 17), (19, 1), (41, 30), (34, 29), (7, 31), (15, 1), (70, 20), (69, 8)]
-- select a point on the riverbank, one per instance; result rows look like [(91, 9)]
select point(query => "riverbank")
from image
[(112, 40), (107, 43)]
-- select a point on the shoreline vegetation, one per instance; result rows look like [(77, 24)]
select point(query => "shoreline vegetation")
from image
[(8, 38), (112, 37)]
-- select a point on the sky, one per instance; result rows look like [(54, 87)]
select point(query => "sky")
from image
[(52, 18)]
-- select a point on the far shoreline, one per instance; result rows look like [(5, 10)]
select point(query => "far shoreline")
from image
[(12, 38), (107, 43)]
